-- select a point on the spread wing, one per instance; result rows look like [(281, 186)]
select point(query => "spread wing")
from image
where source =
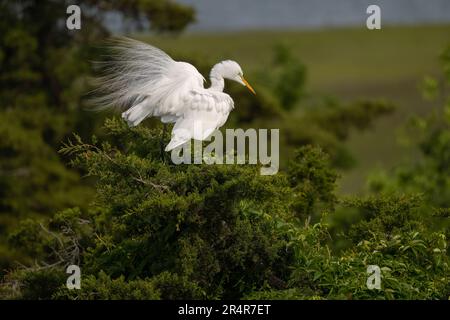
[(205, 111), (144, 80)]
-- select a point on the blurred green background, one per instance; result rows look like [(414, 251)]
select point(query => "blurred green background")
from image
[(347, 64)]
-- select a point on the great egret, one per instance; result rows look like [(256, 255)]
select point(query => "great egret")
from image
[(147, 82)]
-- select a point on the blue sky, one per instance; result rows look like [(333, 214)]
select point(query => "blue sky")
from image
[(221, 15)]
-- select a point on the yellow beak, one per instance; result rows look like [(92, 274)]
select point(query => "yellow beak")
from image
[(248, 85)]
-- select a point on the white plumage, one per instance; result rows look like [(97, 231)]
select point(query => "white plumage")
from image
[(147, 82)]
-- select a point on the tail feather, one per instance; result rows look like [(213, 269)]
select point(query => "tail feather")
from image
[(175, 142), (136, 114)]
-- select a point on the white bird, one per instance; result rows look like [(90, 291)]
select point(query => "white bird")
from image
[(147, 82)]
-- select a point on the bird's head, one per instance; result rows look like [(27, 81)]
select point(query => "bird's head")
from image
[(231, 70)]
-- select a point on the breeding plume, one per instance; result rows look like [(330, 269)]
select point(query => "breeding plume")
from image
[(146, 82)]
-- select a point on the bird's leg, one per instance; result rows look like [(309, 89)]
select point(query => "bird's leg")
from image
[(161, 142)]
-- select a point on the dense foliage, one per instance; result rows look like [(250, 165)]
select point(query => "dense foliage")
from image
[(43, 77), (158, 230), (44, 70)]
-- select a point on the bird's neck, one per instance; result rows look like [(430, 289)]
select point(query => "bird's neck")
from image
[(217, 84), (216, 77)]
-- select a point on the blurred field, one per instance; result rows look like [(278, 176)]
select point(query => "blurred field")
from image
[(345, 63)]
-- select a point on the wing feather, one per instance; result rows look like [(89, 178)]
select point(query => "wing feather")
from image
[(144, 80), (205, 111)]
